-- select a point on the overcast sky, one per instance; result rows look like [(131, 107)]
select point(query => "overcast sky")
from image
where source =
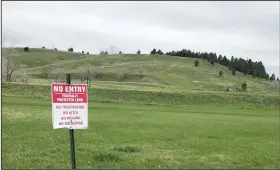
[(239, 29)]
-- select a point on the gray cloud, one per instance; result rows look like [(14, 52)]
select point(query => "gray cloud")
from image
[(240, 29)]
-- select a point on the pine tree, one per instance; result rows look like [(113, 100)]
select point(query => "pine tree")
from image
[(272, 78), (159, 52), (154, 52), (138, 52)]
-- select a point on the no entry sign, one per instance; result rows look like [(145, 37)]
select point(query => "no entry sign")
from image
[(69, 106)]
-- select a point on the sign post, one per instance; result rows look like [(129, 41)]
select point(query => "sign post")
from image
[(70, 109)]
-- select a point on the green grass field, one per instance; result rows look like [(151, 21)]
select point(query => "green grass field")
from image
[(177, 116)]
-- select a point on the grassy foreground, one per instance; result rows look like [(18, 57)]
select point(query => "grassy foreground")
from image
[(132, 135)]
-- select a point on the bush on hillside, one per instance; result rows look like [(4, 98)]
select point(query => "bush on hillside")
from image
[(212, 62), (83, 52), (244, 86), (233, 72), (196, 63), (138, 52), (71, 49), (55, 49), (221, 73), (154, 51), (43, 47), (120, 52), (26, 49), (87, 52)]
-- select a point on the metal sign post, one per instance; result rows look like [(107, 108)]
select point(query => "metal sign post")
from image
[(71, 131)]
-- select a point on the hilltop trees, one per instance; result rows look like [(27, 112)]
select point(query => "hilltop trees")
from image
[(120, 52), (154, 51), (71, 49), (272, 78), (159, 52), (247, 67), (196, 63), (138, 52), (26, 49)]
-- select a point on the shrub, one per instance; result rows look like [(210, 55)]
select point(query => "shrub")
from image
[(120, 52), (138, 52), (71, 49), (221, 73), (55, 49), (87, 52), (43, 47), (26, 49), (244, 86), (233, 72), (196, 63), (83, 52), (212, 62)]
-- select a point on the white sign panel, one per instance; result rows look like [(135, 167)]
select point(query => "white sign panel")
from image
[(69, 106)]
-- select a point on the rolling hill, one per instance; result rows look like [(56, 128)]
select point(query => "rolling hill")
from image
[(140, 72)]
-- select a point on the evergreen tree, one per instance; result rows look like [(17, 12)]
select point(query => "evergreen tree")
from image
[(220, 58), (267, 76), (26, 49), (212, 62), (159, 52), (138, 52), (120, 52), (154, 51), (272, 78)]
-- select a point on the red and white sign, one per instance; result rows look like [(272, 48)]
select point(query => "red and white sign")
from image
[(69, 106)]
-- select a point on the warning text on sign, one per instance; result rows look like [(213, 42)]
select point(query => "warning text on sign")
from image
[(69, 106)]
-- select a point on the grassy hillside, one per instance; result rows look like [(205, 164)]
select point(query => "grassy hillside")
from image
[(173, 116), (167, 73)]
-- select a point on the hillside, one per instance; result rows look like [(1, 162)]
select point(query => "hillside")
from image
[(141, 72)]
